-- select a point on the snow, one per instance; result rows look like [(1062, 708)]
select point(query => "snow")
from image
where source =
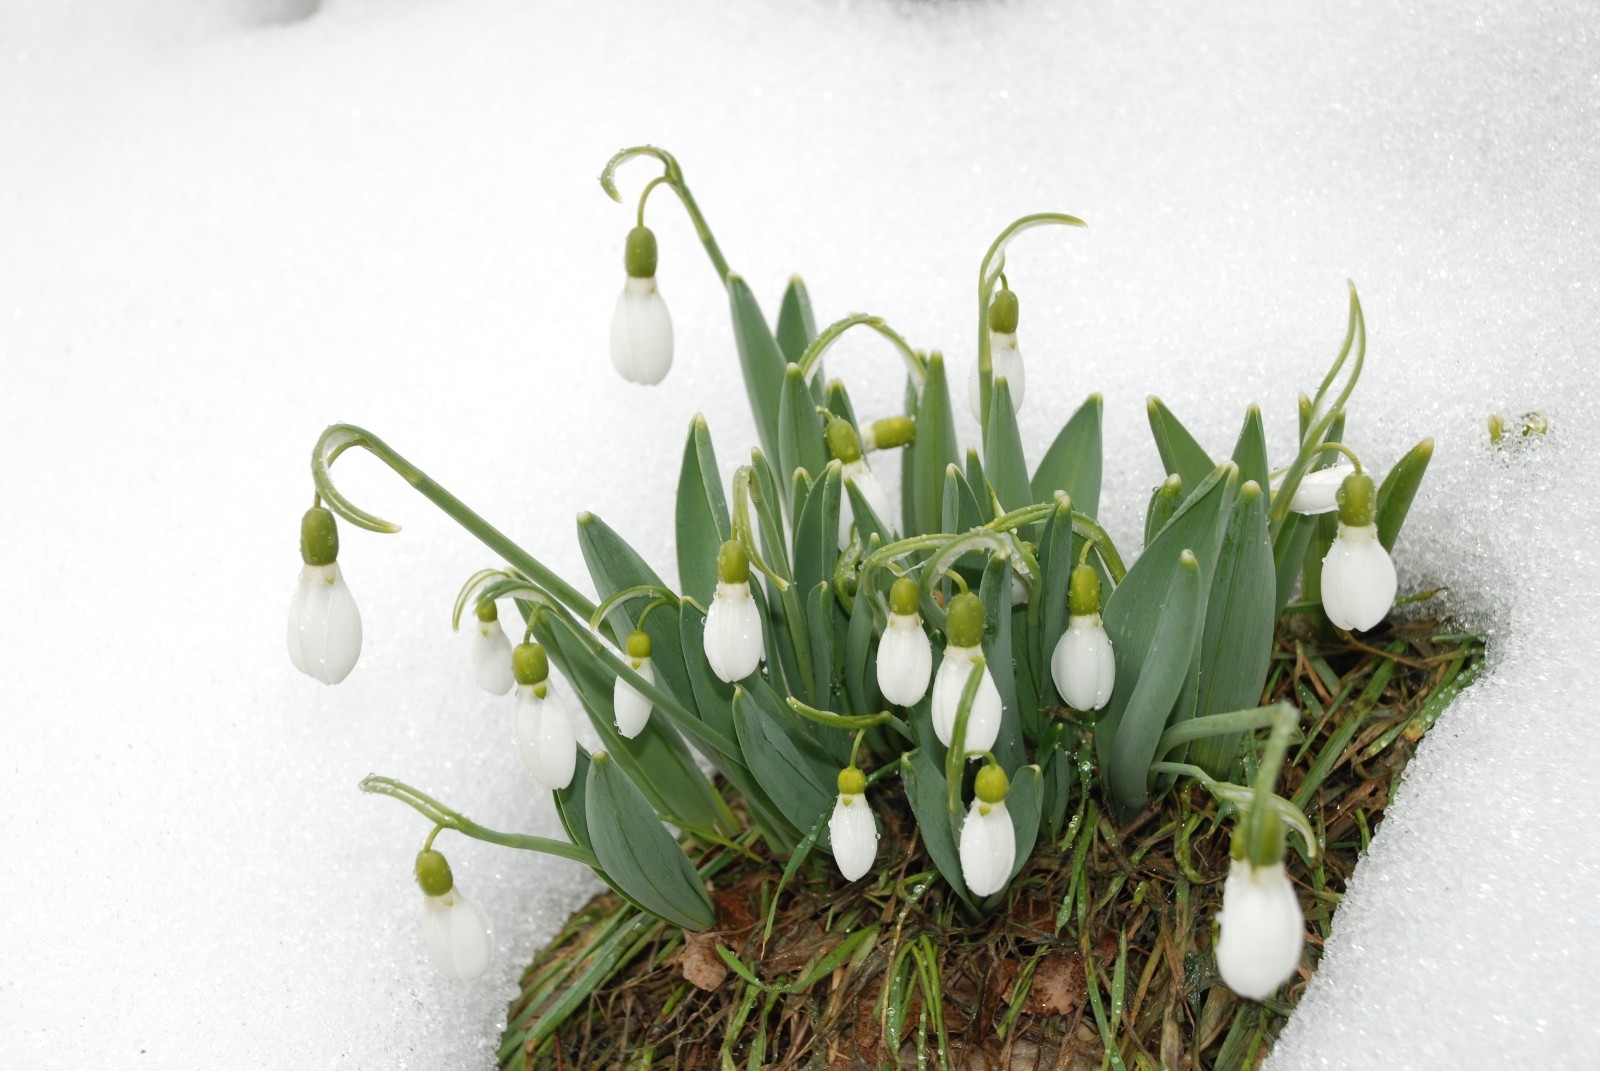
[(223, 227)]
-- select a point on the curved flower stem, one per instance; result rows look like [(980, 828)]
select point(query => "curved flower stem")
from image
[(482, 576), (916, 367), (742, 480), (446, 818), (987, 277), (1285, 723), (1243, 798), (1340, 448), (955, 759), (847, 722), (673, 177), (1235, 721), (341, 437), (627, 594)]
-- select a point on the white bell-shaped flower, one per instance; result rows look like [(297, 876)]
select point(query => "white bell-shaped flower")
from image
[(632, 709), (963, 633), (858, 473), (641, 327), (324, 624), (1262, 929), (541, 725), (988, 839), (460, 942), (491, 653), (733, 642), (905, 655), (851, 828), (1005, 362), (1318, 492), (1358, 579), (1083, 665)]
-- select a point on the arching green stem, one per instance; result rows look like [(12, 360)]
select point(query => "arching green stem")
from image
[(955, 760), (480, 577), (445, 818), (850, 722), (638, 591), (1235, 721), (916, 367), (1243, 798), (673, 177)]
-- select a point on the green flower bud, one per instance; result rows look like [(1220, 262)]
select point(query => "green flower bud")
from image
[(843, 443), (433, 873), (904, 597), (1258, 838), (639, 256), (852, 782), (488, 611), (733, 564), (1357, 500), (319, 537), (638, 644), (530, 664), (891, 432), (1003, 313), (991, 785), (1083, 592), (963, 625)]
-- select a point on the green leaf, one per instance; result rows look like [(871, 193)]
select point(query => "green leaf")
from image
[(1399, 489), (796, 326), (997, 653), (766, 496), (1240, 614), (1060, 770), (800, 435), (816, 536), (702, 514), (761, 360), (925, 790), (1164, 502), (819, 618), (978, 481), (1003, 458), (793, 768), (1073, 462), (837, 401), (933, 449), (1058, 554), (959, 511), (712, 695), (1250, 452), (868, 524), (1179, 451), (1023, 801), (638, 853), (1160, 679), (860, 669)]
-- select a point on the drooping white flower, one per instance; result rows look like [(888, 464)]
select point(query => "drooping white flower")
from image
[(491, 653), (988, 839), (851, 828), (641, 328), (1262, 929), (858, 473), (324, 624), (905, 655), (541, 725), (1005, 362), (733, 643), (631, 708), (1083, 664), (1358, 579), (964, 631), (1318, 491), (460, 942)]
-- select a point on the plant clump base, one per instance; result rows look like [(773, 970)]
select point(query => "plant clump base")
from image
[(1103, 959)]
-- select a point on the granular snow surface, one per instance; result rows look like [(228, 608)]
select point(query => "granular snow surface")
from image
[(223, 227)]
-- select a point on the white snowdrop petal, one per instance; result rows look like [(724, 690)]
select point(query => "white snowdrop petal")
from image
[(983, 721), (905, 660), (460, 942), (988, 848), (324, 624), (1084, 666), (631, 708), (1358, 579), (641, 333), (1262, 930), (491, 658), (854, 836), (543, 732), (860, 474), (1318, 492), (733, 632), (1005, 361)]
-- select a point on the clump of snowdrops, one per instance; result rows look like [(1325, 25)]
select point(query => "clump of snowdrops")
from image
[(979, 646)]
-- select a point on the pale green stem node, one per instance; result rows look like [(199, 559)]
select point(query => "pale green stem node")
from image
[(319, 537)]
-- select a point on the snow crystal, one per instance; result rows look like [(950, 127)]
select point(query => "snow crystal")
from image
[(225, 226)]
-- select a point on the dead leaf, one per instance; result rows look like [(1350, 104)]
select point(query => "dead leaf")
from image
[(702, 967)]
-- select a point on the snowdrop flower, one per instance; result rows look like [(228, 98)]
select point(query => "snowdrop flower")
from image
[(1262, 929), (641, 328), (733, 624), (324, 624), (851, 828), (845, 445), (458, 936), (988, 840), (491, 652), (905, 657), (541, 726), (1319, 491), (1358, 581), (1083, 665), (1005, 360), (964, 636), (631, 708)]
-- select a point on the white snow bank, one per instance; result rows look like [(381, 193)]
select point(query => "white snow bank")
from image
[(220, 232)]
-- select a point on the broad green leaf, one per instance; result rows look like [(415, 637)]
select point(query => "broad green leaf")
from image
[(959, 510), (570, 805), (1250, 451), (1073, 462), (702, 514), (837, 401), (1398, 490), (1059, 773), (997, 652), (1164, 502), (712, 695), (761, 360), (1058, 554), (1160, 680), (819, 618), (909, 512), (868, 523), (800, 435), (638, 853), (1236, 645), (796, 326), (1003, 460), (860, 668), (1179, 451), (1023, 802), (816, 537), (766, 495), (794, 769), (926, 792), (934, 447), (978, 481)]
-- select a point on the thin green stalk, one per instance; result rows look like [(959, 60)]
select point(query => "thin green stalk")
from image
[(441, 815), (673, 174)]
